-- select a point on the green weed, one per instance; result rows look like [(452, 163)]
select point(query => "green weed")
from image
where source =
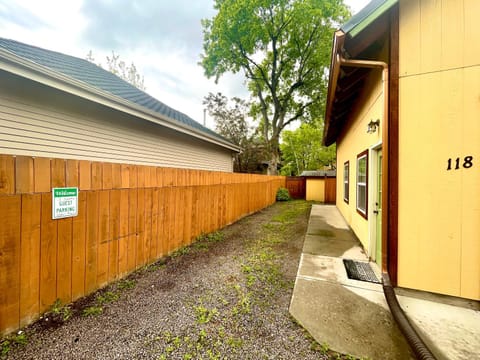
[(204, 315), (60, 312), (107, 297), (92, 311), (126, 284), (180, 252), (18, 339)]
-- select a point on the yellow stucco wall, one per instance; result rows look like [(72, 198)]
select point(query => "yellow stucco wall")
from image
[(354, 140), (439, 94), (315, 190)]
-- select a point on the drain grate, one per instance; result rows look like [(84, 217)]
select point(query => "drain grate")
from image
[(360, 270)]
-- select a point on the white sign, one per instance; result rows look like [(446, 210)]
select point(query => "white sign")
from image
[(64, 202)]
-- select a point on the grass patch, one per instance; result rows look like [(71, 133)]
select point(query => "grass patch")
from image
[(126, 284), (106, 297), (59, 312), (93, 310), (204, 315), (7, 344)]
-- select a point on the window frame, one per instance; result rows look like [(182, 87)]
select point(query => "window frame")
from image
[(360, 210), (346, 181)]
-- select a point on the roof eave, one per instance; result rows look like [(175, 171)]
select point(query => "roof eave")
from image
[(338, 40), (348, 33), (352, 30), (33, 71)]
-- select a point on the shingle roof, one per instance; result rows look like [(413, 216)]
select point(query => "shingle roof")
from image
[(319, 173), (97, 77), (365, 16)]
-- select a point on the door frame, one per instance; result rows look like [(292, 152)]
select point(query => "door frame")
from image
[(373, 186)]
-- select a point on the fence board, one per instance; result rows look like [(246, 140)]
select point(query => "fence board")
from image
[(106, 176), (148, 224), (96, 179), (125, 176), (116, 176), (41, 168), (103, 236), (64, 260), (10, 208), (85, 175), (114, 235), (140, 176), (296, 186), (30, 258), (48, 254), (161, 220), (330, 190), (140, 228), (72, 173), (24, 175), (78, 248), (91, 241), (171, 219), (154, 217), (57, 167), (133, 179), (132, 229), (7, 174), (179, 219), (187, 232), (123, 234)]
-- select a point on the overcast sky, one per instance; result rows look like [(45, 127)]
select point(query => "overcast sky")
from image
[(162, 37)]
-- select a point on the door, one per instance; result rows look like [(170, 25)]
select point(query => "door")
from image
[(378, 211)]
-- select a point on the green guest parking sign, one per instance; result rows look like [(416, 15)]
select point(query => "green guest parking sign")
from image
[(64, 202)]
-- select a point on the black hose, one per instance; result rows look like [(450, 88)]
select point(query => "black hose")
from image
[(416, 343)]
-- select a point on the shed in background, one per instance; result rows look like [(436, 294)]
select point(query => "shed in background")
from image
[(320, 185)]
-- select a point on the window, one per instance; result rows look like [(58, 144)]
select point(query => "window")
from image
[(362, 183), (346, 182)]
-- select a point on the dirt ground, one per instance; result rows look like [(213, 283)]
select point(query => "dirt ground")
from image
[(224, 297)]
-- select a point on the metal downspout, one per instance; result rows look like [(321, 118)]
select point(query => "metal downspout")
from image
[(416, 343)]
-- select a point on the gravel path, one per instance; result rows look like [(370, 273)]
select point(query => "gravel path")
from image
[(225, 297)]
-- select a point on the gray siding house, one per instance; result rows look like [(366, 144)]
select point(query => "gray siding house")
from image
[(59, 106)]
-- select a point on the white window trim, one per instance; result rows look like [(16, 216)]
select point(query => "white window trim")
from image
[(346, 181), (362, 211)]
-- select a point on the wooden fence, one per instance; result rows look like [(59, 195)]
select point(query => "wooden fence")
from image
[(129, 215), (296, 186), (330, 190), (299, 187)]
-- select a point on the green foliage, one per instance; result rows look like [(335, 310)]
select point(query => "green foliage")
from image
[(283, 194), (230, 117), (18, 339), (129, 73), (283, 48), (302, 150), (60, 312), (92, 310), (203, 241), (126, 284), (107, 297), (184, 250), (204, 315)]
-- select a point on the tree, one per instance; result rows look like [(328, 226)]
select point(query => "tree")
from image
[(302, 150), (122, 70), (230, 122), (283, 49)]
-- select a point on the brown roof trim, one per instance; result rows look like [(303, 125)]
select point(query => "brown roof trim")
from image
[(338, 40)]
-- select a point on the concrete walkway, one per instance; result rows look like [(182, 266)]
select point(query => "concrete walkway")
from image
[(352, 316)]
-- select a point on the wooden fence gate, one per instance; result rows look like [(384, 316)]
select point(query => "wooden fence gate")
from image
[(296, 186), (330, 190)]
